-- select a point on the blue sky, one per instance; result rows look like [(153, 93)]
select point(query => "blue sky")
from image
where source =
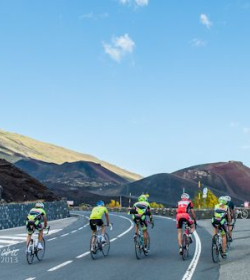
[(149, 85)]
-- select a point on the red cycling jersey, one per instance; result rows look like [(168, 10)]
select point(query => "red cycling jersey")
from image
[(184, 206)]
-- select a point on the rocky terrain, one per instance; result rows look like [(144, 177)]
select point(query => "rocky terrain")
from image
[(18, 186)]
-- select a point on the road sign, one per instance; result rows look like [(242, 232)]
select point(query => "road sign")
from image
[(204, 193)]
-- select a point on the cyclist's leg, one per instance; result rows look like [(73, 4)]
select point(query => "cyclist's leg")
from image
[(144, 229), (30, 232), (223, 235), (179, 223)]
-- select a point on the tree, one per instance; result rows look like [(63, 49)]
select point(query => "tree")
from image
[(209, 202), (113, 204)]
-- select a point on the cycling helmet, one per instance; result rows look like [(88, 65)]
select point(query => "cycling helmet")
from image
[(222, 200), (143, 197), (39, 205), (185, 196), (228, 198), (100, 203)]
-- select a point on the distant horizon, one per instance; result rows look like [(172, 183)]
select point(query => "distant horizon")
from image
[(149, 86), (121, 166)]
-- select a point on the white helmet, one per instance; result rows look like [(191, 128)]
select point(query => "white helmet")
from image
[(39, 205), (185, 196), (228, 198)]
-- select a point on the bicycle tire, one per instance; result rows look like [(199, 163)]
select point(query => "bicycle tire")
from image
[(138, 247), (244, 214), (94, 241), (185, 245), (106, 245), (30, 255), (215, 249), (148, 245), (228, 241), (40, 253)]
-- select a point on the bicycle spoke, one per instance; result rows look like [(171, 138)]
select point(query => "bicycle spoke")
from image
[(94, 246), (106, 245), (40, 253), (30, 252), (215, 249), (138, 247)]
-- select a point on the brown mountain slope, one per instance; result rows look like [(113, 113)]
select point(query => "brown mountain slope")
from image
[(231, 178), (81, 173), (17, 186), (14, 147)]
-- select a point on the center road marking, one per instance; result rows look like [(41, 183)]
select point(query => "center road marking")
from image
[(59, 266), (88, 252), (190, 271)]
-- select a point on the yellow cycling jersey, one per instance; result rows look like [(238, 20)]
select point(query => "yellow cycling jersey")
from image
[(36, 213), (97, 212)]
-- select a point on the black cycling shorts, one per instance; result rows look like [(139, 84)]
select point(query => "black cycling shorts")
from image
[(94, 223)]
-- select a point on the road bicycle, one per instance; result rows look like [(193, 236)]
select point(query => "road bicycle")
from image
[(96, 244), (186, 241), (217, 245), (241, 213), (139, 242), (32, 249)]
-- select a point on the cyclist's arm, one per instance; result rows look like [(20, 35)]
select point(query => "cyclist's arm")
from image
[(45, 221), (107, 218), (228, 216), (193, 214)]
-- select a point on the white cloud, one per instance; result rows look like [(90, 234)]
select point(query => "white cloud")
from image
[(246, 130), (234, 124), (119, 47), (205, 20), (91, 15), (139, 3), (245, 147), (198, 43)]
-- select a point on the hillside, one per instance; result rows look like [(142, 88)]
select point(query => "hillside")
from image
[(17, 186), (14, 147), (225, 178), (232, 178), (80, 174)]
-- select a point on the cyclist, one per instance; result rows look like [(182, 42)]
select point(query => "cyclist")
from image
[(220, 218), (139, 211), (230, 204), (33, 221), (96, 219), (185, 206)]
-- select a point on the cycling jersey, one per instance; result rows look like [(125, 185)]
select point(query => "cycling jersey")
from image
[(34, 220), (184, 206), (98, 212), (140, 210), (220, 211), (36, 214)]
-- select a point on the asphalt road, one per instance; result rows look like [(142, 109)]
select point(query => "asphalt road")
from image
[(67, 254)]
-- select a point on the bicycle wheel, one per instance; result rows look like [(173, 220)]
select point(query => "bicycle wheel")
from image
[(94, 246), (30, 252), (40, 253), (138, 247), (148, 245), (215, 249), (185, 244), (244, 214), (106, 245)]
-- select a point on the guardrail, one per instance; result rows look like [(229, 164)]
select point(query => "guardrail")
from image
[(169, 212)]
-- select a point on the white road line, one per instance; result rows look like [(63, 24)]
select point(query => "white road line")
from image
[(65, 234), (31, 278), (80, 228), (8, 241), (52, 239), (83, 255), (20, 238), (59, 266), (73, 231), (190, 271), (86, 225), (113, 239)]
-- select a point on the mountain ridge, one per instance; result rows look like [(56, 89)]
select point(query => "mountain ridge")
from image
[(14, 147)]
